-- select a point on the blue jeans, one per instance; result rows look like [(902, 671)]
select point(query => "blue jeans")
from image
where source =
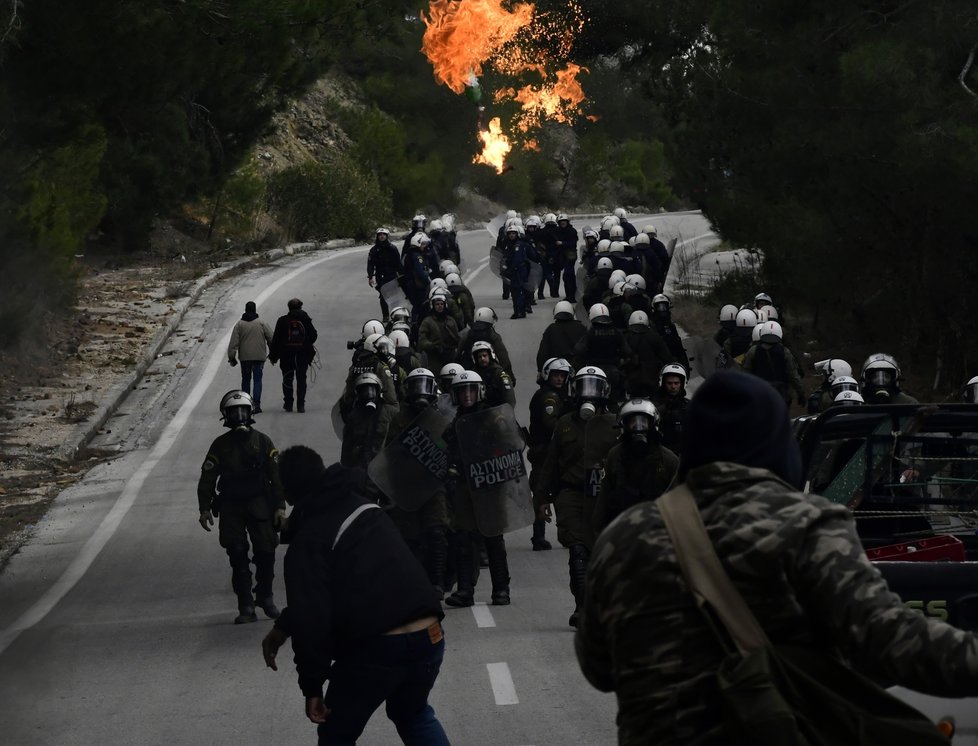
[(252, 370), (397, 669)]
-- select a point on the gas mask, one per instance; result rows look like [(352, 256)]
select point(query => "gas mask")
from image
[(587, 410)]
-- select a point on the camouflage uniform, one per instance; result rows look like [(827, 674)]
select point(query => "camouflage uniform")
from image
[(239, 484), (799, 565), (631, 478)]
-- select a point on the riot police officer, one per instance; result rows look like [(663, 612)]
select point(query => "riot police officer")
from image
[(648, 354), (605, 347), (383, 265), (881, 378), (662, 322), (483, 329), (546, 407), (566, 240), (560, 338), (671, 403), (438, 334), (417, 275), (239, 484), (516, 268), (366, 422), (498, 386), (638, 468), (772, 361), (468, 394), (564, 478)]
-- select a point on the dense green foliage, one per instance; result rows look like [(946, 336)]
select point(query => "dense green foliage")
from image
[(840, 138)]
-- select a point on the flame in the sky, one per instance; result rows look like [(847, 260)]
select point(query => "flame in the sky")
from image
[(462, 37)]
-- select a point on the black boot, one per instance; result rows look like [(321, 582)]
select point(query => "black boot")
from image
[(577, 566), (539, 540), (498, 570), (465, 594), (264, 575), (436, 552), (241, 584)]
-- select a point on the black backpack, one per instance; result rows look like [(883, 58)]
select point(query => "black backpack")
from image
[(295, 334)]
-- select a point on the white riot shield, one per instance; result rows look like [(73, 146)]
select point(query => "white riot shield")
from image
[(393, 294), (496, 261), (600, 434), (492, 459), (415, 463), (534, 277), (671, 251)]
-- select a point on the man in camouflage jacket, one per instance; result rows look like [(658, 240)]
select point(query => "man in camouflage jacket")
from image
[(795, 558)]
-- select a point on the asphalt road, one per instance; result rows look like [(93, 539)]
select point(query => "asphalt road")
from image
[(115, 621)]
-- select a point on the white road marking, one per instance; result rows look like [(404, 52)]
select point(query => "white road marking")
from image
[(472, 273), (503, 688), (110, 524), (482, 614), (696, 238)]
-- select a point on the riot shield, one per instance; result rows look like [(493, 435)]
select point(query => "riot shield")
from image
[(600, 434), (415, 463), (496, 259), (336, 417), (494, 469), (445, 405), (534, 277), (671, 251), (495, 224), (393, 294)]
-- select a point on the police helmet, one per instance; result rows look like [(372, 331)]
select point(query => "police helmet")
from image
[(881, 371), (603, 246), (367, 387), (650, 230), (399, 338), (590, 382), (661, 303), (563, 310), (482, 346), (970, 391), (638, 417), (755, 334), (673, 369), (556, 365), (642, 238), (599, 314), (728, 313), (771, 332), (616, 233), (420, 240), (638, 318), (452, 280), (485, 315), (236, 408), (746, 319), (437, 225), (419, 221), (373, 326), (843, 383), (420, 383), (464, 385), (447, 374), (621, 213), (382, 231), (604, 263), (848, 398), (768, 313), (617, 276), (400, 313), (762, 299)]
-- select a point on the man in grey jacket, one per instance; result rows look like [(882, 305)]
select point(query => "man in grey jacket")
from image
[(249, 343)]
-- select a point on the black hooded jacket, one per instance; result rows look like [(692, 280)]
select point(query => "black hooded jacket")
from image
[(367, 585)]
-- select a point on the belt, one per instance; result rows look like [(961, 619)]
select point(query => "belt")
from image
[(416, 626)]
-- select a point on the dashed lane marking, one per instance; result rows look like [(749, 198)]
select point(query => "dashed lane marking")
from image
[(482, 614), (501, 680)]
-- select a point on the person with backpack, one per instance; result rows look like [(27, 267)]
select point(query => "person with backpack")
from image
[(249, 342), (293, 344)]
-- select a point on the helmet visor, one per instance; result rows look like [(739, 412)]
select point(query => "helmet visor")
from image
[(421, 386), (840, 386), (591, 387), (237, 415), (880, 378), (466, 394), (637, 423)]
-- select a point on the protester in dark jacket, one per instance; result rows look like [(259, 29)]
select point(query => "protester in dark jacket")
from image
[(361, 610), (293, 343)]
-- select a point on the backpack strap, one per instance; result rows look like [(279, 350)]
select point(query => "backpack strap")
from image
[(350, 519), (703, 571)]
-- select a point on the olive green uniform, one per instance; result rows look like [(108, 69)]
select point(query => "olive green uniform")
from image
[(239, 484), (631, 478), (777, 366), (438, 338)]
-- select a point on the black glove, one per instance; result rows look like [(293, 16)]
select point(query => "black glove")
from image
[(232, 362)]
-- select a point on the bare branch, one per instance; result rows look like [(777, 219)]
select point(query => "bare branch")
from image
[(967, 68)]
